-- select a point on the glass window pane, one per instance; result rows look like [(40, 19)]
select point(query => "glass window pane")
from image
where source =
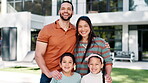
[(112, 34), (40, 7), (94, 6), (34, 35), (138, 5)]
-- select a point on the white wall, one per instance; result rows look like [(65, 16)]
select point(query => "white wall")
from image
[(125, 5), (22, 21), (82, 7), (4, 7), (125, 36), (114, 18), (54, 7), (37, 21), (133, 42)]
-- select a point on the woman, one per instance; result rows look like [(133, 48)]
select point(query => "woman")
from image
[(87, 43)]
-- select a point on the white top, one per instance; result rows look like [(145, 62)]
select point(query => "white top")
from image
[(92, 78)]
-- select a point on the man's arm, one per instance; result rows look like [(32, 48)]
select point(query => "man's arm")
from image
[(39, 53)]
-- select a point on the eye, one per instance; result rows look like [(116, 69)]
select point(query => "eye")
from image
[(62, 8), (79, 26), (85, 25), (69, 9), (64, 61), (97, 64), (90, 64), (70, 62)]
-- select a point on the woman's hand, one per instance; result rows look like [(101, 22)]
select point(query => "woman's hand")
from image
[(108, 79)]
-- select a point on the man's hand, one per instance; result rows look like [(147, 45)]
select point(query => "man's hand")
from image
[(55, 74)]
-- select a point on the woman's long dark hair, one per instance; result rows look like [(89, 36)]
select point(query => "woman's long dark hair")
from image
[(79, 37)]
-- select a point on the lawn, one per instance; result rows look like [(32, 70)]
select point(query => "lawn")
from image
[(119, 75), (22, 69)]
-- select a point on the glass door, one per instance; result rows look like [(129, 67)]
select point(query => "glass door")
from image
[(145, 46)]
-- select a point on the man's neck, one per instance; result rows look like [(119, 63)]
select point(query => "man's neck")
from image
[(64, 24)]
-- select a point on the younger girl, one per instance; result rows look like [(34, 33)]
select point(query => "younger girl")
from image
[(95, 64), (67, 63)]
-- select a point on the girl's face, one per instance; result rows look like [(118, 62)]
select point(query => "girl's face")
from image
[(95, 65), (83, 28), (67, 64)]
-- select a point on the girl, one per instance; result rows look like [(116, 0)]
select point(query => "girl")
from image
[(95, 64), (67, 63), (86, 44)]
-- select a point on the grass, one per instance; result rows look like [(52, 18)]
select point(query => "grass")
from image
[(119, 75), (22, 69)]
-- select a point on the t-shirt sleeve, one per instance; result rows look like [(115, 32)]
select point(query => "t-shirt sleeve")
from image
[(106, 54), (53, 80), (44, 35)]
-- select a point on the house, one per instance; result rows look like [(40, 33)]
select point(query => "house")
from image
[(122, 23)]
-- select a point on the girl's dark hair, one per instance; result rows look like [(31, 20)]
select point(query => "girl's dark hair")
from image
[(95, 57), (79, 37), (69, 3), (67, 54)]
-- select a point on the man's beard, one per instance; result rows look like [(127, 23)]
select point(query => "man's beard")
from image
[(64, 18)]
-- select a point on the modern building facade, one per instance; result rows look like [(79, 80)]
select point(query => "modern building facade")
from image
[(122, 23)]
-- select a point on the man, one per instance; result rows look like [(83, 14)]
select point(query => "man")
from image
[(54, 40)]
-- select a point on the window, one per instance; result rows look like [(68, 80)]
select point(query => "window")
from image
[(40, 7), (34, 35), (104, 5), (138, 5), (111, 34)]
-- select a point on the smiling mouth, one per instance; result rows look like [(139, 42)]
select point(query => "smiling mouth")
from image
[(66, 67)]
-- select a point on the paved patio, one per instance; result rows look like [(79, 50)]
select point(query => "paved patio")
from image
[(134, 65)]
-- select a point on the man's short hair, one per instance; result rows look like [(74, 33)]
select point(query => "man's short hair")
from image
[(69, 3)]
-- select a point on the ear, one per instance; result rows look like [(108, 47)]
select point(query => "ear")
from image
[(74, 66), (102, 65), (88, 65), (59, 12)]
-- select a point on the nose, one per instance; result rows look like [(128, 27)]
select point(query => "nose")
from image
[(93, 66), (65, 10), (67, 64), (83, 28)]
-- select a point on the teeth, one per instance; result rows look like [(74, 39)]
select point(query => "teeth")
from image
[(83, 32), (65, 14), (94, 70)]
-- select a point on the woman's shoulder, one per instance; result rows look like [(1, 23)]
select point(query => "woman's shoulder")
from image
[(98, 39)]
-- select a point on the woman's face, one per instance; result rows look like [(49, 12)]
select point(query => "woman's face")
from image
[(83, 28)]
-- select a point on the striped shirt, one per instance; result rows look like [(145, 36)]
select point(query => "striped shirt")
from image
[(97, 47)]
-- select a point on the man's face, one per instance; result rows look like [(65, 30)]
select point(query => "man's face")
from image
[(66, 11)]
